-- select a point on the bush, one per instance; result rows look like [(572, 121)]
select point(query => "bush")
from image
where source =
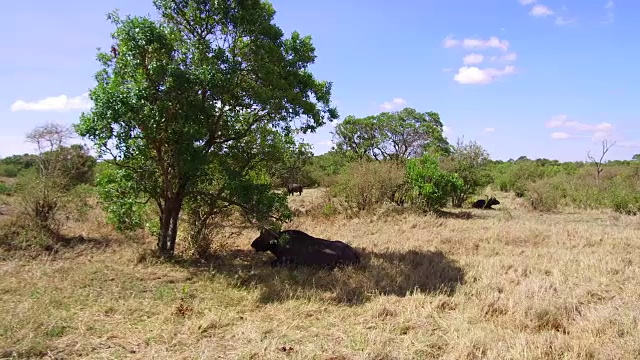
[(13, 165), (430, 186), (21, 232), (546, 194), (624, 195), (39, 199), (470, 162), (9, 170), (5, 189), (366, 184), (324, 169), (619, 190)]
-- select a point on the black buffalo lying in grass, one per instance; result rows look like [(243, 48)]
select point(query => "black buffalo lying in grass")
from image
[(294, 188), (295, 247), (485, 204)]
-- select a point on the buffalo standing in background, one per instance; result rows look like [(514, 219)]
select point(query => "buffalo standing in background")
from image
[(485, 204), (294, 188), (295, 247)]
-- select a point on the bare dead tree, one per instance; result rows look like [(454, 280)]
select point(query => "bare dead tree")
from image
[(48, 138), (42, 197), (598, 163)]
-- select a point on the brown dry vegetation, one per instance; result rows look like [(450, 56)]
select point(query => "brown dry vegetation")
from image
[(505, 284)]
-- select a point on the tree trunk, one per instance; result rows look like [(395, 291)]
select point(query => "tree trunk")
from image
[(169, 226)]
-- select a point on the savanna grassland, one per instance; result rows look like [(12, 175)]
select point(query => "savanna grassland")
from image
[(468, 284), (138, 246)]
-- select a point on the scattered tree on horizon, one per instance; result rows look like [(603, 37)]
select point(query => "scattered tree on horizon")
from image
[(395, 135)]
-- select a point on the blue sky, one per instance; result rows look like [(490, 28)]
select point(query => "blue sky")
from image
[(543, 78)]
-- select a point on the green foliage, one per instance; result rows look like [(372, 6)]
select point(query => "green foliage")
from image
[(6, 189), (13, 165), (119, 195), (73, 163), (431, 186), (392, 135), (293, 167), (366, 184), (329, 210), (190, 104), (323, 169), (76, 165), (516, 175), (470, 161), (617, 191), (9, 171)]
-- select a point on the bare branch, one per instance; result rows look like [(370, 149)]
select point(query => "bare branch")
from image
[(598, 163)]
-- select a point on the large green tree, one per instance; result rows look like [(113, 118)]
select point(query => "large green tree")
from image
[(394, 135), (192, 107)]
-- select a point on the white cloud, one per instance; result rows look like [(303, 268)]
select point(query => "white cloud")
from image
[(393, 104), (54, 103), (563, 121), (560, 135), (325, 142), (509, 57), (492, 42), (603, 130), (450, 42), (560, 21), (601, 135), (540, 10), (473, 43), (489, 130), (556, 121), (473, 75), (473, 59), (609, 8)]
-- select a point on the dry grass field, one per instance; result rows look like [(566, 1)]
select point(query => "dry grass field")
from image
[(504, 284)]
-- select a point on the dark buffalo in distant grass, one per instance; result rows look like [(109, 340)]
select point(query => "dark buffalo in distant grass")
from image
[(485, 204), (294, 188)]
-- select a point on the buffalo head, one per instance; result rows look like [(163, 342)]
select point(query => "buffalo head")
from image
[(266, 241)]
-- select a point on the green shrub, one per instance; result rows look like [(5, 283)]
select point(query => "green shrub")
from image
[(623, 194), (9, 170), (430, 186), (5, 189), (329, 210), (325, 169), (470, 162)]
